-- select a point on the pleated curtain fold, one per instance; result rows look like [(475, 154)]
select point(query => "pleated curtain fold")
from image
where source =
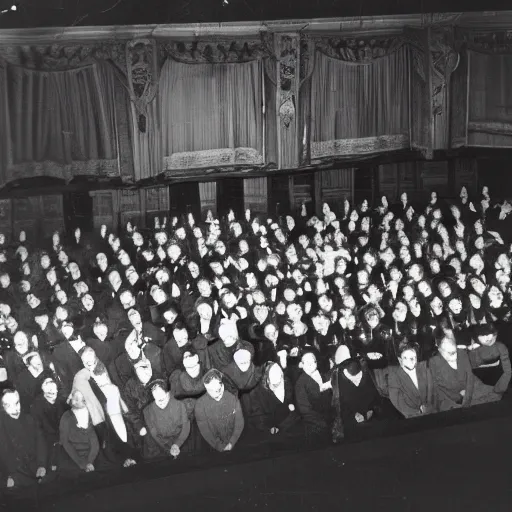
[(355, 100)]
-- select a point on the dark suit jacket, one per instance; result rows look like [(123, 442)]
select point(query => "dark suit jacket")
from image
[(405, 396)]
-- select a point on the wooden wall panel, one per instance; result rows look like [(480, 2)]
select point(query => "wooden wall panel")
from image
[(131, 207), (434, 178), (6, 218), (208, 197), (156, 203), (103, 208), (26, 212), (336, 186), (466, 175), (52, 215), (256, 195)]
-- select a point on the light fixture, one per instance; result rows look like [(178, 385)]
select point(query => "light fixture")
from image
[(12, 8)]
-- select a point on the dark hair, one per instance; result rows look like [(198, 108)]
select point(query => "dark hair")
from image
[(405, 344), (353, 366), (179, 325), (212, 375), (485, 330), (158, 383)]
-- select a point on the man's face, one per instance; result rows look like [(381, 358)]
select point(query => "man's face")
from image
[(408, 360), (127, 299), (400, 312), (63, 258), (271, 333), (78, 400), (123, 257), (205, 312), (455, 306), (21, 343), (215, 389), (437, 306), (448, 351), (88, 302), (174, 252), (161, 397), (11, 405), (62, 297), (309, 364), (101, 259)]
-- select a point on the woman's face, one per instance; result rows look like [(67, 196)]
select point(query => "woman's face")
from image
[(101, 259), (205, 312), (309, 364), (193, 267), (100, 330), (21, 343), (400, 312), (437, 306), (363, 278), (275, 375), (444, 289), (77, 400), (414, 307), (495, 297), (45, 261), (477, 285), (455, 306), (88, 302), (424, 288), (271, 333), (408, 293), (349, 302)]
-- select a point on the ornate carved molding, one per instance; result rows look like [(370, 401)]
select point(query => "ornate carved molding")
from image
[(445, 60), (491, 128), (485, 41), (217, 52), (62, 57), (213, 158), (358, 50), (97, 168), (362, 146), (288, 67)]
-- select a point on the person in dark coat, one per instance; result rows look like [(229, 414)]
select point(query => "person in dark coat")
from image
[(454, 380), (47, 410), (23, 450), (78, 438), (167, 421), (313, 397), (410, 385), (219, 414), (271, 404)]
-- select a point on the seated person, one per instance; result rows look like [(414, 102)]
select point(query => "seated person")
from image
[(167, 421), (218, 414), (136, 348), (78, 437), (137, 397), (221, 352), (453, 377), (242, 372), (410, 385), (179, 342), (187, 383), (271, 403), (47, 410), (23, 451), (313, 396), (491, 359), (355, 396)]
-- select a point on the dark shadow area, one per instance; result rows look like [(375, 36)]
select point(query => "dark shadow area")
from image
[(399, 462)]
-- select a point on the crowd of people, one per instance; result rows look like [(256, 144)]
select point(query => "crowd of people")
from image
[(119, 348)]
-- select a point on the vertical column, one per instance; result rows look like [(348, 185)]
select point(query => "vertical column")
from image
[(287, 49)]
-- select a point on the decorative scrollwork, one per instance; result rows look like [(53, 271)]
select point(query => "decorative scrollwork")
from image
[(218, 52), (61, 57), (493, 42), (288, 63), (361, 50)]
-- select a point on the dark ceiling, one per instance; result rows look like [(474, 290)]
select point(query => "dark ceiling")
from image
[(61, 13)]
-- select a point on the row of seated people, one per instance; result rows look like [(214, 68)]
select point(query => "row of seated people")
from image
[(199, 407), (102, 320)]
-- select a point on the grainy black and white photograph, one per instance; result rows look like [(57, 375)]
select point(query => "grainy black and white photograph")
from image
[(255, 256)]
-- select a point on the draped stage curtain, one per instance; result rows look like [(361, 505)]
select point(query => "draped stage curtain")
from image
[(211, 114), (61, 123), (490, 100), (4, 126), (355, 100)]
